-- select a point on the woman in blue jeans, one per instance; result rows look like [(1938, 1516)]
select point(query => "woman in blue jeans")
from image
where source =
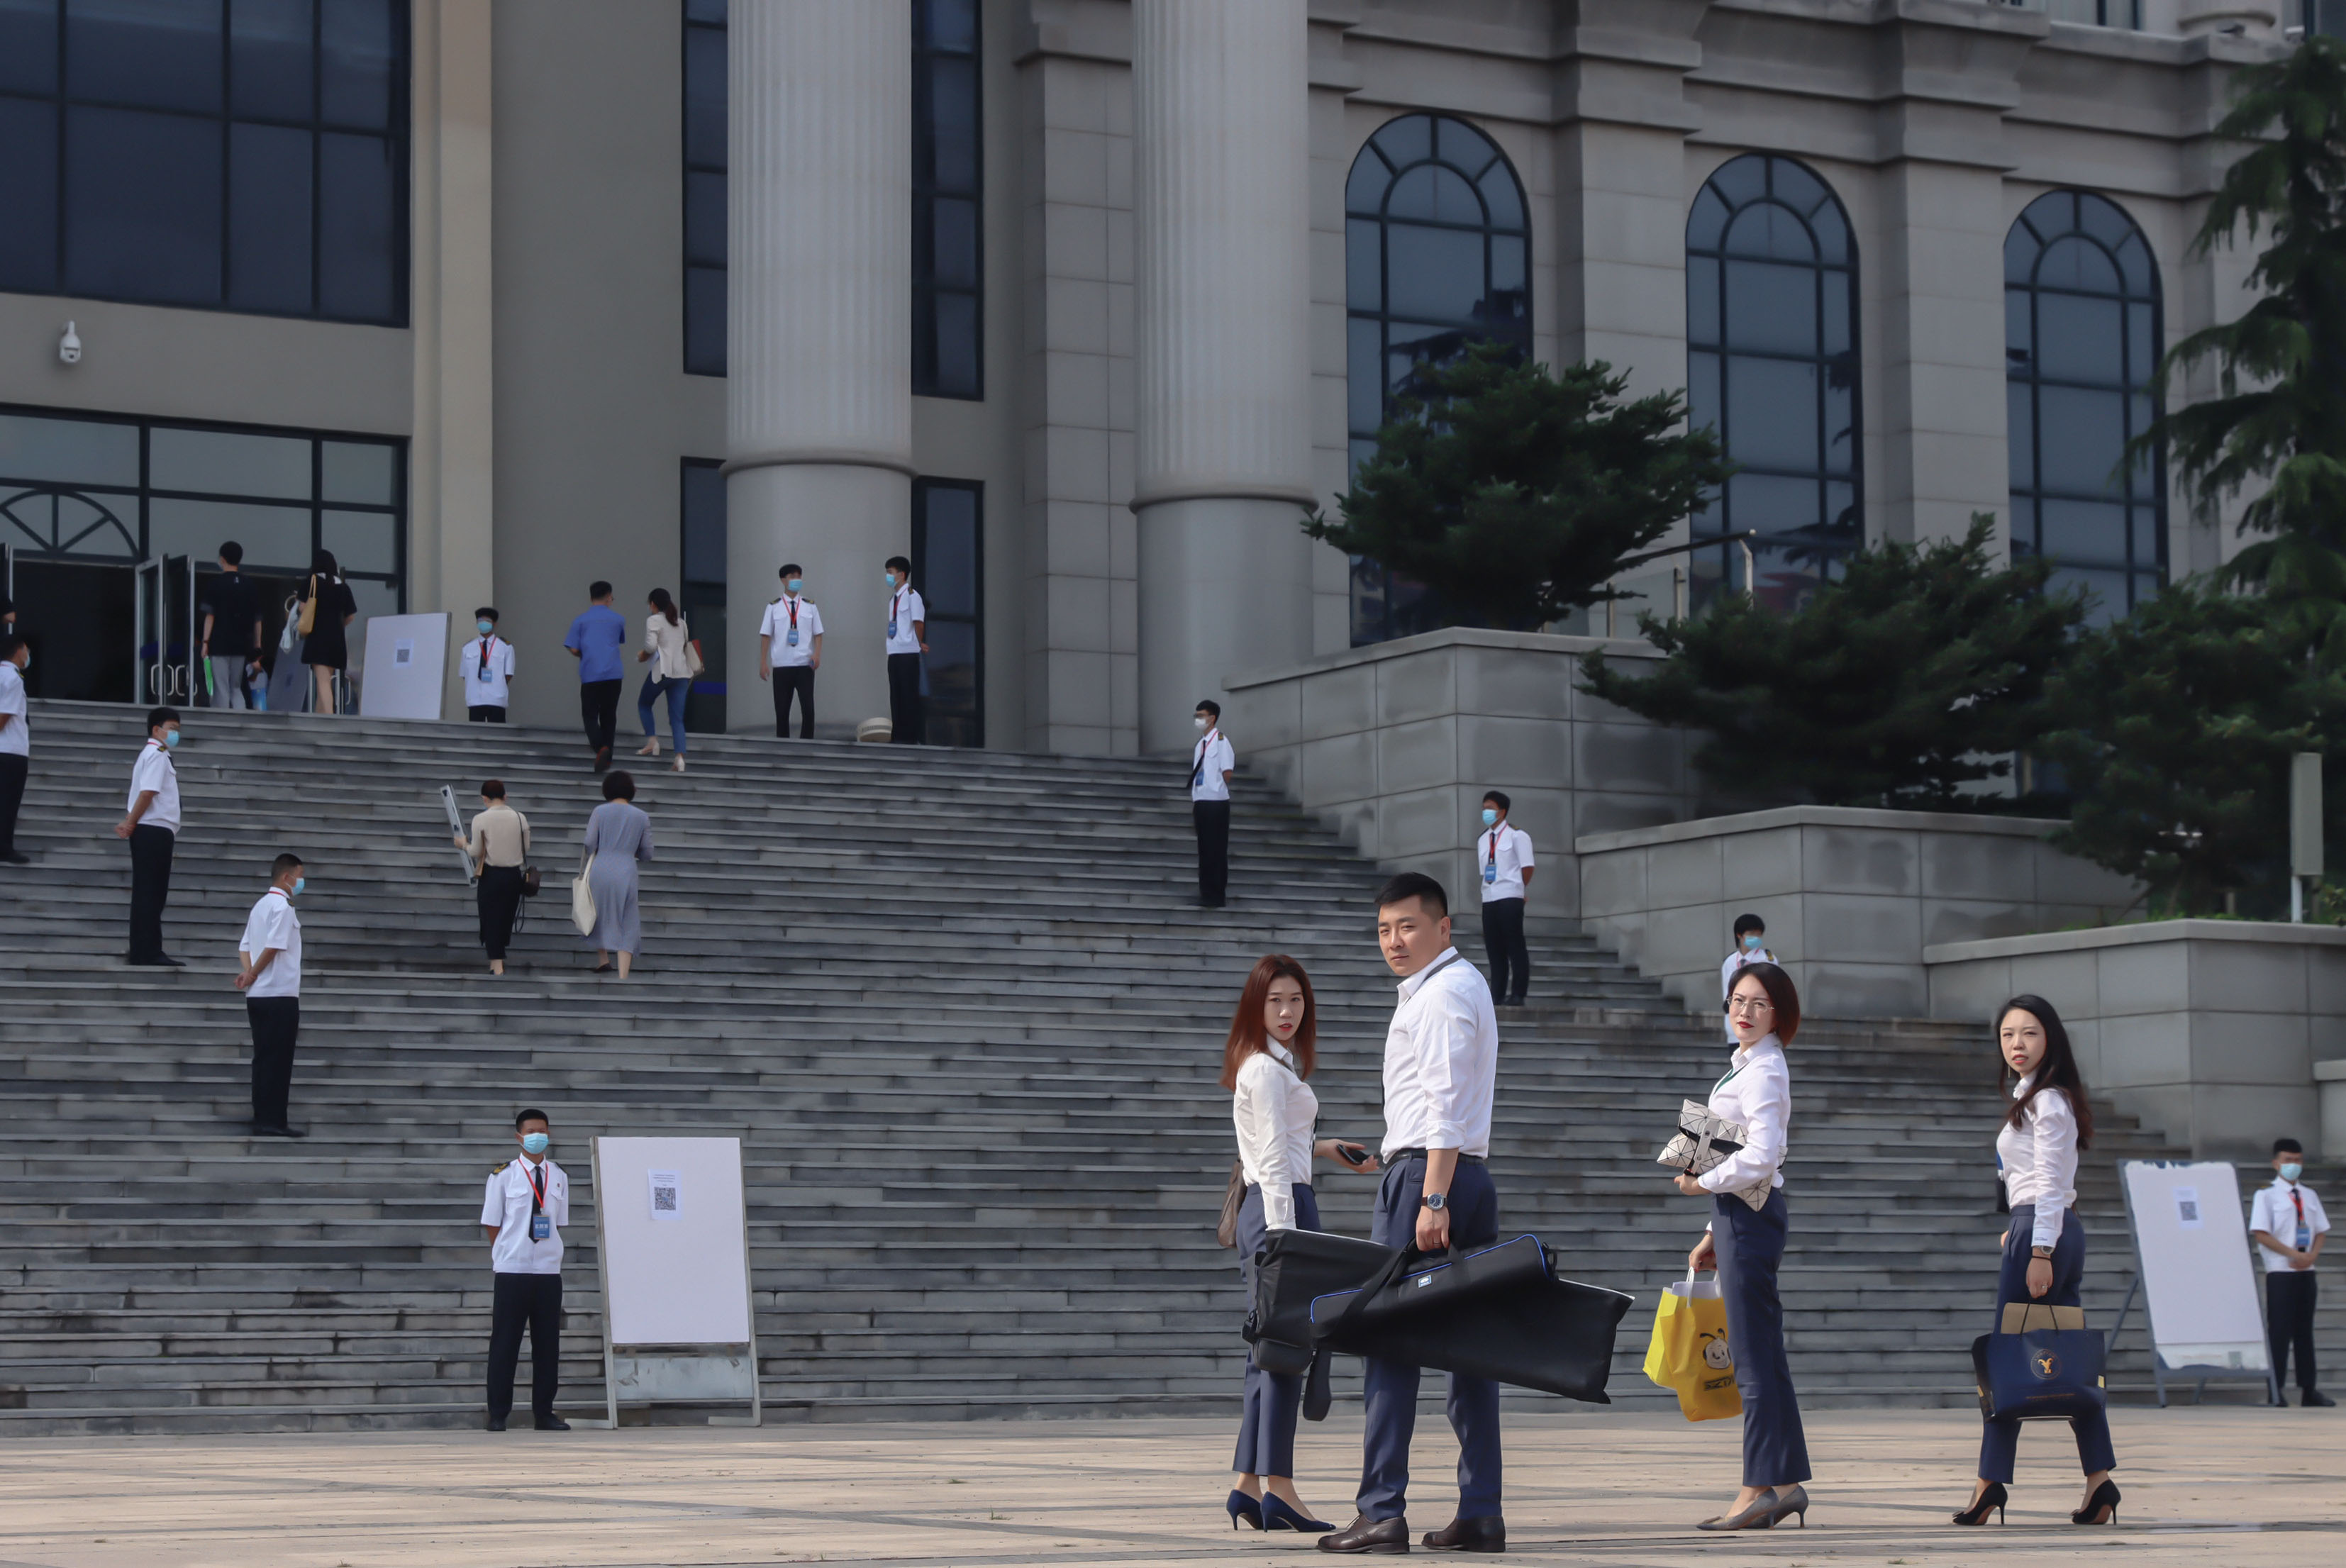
[(667, 645), (2044, 1249), (1264, 1065)]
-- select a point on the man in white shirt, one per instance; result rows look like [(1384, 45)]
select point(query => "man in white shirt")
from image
[(908, 639), (1503, 860), (522, 1212), (1442, 1058), (270, 979), (16, 744), (485, 666), (152, 826), (2287, 1220), (790, 650), (1211, 763)]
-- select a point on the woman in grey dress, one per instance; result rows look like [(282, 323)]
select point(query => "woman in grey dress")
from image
[(617, 835)]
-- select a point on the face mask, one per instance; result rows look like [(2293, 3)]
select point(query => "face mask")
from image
[(891, 577), (1489, 817), (2291, 1173), (485, 626), (1202, 723), (793, 585), (171, 740), (535, 1142), (299, 883), (1751, 943)]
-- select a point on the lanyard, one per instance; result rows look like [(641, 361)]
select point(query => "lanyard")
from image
[(1198, 771), (484, 657), (793, 604), (895, 601), (536, 1177), (1490, 851)]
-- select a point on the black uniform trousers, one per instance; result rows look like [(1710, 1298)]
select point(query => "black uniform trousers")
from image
[(13, 768), (499, 896), (276, 1025), (798, 680), (2288, 1324), (908, 710), (484, 713), (1504, 945), (150, 889), (598, 707), (532, 1301), (1213, 819)]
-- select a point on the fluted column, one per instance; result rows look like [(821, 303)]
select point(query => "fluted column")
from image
[(819, 289), (1222, 347)]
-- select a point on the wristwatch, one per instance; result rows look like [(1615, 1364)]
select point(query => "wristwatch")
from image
[(1436, 1202), (2042, 1252)]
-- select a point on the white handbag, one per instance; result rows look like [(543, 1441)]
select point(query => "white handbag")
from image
[(582, 900)]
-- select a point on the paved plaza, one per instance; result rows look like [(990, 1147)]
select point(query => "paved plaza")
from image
[(2230, 1488)]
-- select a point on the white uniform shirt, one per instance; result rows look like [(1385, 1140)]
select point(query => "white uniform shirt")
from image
[(1208, 760), (1275, 1111), (1442, 1060), (777, 625), (2274, 1211), (153, 770), (273, 923), (905, 607), (15, 740), (1501, 855), (508, 1205), (494, 690), (2040, 1160), (1757, 1093)]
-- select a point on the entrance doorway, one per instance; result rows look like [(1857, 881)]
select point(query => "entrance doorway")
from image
[(85, 635)]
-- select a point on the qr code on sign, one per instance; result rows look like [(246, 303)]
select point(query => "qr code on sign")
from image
[(2191, 1211), (664, 1199)]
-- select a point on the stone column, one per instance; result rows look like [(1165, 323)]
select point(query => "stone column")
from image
[(1222, 350), (819, 403)]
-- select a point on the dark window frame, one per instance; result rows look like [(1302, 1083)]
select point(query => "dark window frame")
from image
[(399, 135), (706, 711), (975, 619), (689, 25), (927, 193)]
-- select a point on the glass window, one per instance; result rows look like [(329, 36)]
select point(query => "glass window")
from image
[(949, 568), (1436, 255), (701, 591), (1773, 367), (246, 156), (704, 196), (948, 230), (2081, 345)]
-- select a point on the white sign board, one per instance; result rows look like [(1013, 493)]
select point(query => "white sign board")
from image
[(675, 1250), (406, 663), (2197, 1278)]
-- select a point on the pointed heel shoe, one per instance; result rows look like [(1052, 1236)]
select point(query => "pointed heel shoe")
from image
[(1243, 1507), (1760, 1516), (1277, 1515), (2102, 1508), (1992, 1495), (1794, 1500)]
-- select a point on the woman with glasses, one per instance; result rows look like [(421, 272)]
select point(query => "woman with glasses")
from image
[(1746, 1245)]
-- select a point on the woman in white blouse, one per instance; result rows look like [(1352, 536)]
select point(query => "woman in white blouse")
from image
[(665, 639), (1269, 1056), (2043, 1247), (1746, 1245)]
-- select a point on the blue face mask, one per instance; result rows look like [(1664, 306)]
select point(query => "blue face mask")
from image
[(535, 1142), (485, 626), (2291, 1173), (891, 578), (299, 883), (1489, 817), (171, 740), (792, 586), (1752, 942)]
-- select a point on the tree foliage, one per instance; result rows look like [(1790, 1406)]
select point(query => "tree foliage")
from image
[(1514, 493), (1898, 684)]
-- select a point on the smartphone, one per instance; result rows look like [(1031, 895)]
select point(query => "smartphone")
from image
[(1350, 1156)]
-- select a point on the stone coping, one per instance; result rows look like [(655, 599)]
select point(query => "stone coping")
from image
[(2332, 1071), (1448, 637), (2136, 934), (1817, 817)]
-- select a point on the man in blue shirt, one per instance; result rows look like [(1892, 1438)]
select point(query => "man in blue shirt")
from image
[(595, 641)]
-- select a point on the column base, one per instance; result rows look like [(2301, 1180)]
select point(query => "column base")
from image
[(1224, 589)]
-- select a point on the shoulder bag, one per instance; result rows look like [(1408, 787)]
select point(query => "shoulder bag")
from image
[(582, 900), (1233, 1197), (309, 620)]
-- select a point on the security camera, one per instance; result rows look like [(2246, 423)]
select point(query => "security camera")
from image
[(69, 346)]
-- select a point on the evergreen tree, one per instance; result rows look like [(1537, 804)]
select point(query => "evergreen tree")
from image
[(1514, 493), (1913, 674)]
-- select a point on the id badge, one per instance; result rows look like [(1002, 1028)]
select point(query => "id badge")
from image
[(541, 1228), (1490, 873), (892, 626), (793, 638), (2304, 1237)]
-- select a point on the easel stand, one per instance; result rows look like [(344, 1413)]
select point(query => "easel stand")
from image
[(2195, 1274)]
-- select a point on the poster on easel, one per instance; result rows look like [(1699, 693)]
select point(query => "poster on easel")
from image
[(672, 1224), (2194, 1272)]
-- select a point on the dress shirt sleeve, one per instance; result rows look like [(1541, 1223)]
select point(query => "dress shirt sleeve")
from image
[(571, 639), (493, 1202), (1445, 1047), (2055, 1125), (558, 1202), (1259, 1110), (476, 842), (1770, 1115), (525, 835), (2315, 1215), (810, 620), (1523, 861)]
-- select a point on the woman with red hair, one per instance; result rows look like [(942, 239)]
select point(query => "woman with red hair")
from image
[(1269, 1056)]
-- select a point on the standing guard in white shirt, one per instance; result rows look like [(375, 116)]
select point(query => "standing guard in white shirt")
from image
[(16, 743), (908, 639), (484, 668), (2287, 1220), (1502, 862), (1210, 767), (790, 650), (524, 1211), (152, 826), (1442, 1061), (270, 952)]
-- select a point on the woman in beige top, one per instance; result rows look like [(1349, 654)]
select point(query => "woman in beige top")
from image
[(666, 641), (498, 844)]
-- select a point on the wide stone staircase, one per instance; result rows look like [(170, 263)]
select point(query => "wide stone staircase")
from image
[(959, 1009)]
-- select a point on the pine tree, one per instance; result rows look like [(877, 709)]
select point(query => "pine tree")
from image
[(1913, 674), (1514, 493)]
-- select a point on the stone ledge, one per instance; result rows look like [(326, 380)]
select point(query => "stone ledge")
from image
[(1448, 637), (2137, 934), (1904, 822)]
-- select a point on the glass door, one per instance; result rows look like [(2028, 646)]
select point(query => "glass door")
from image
[(165, 632)]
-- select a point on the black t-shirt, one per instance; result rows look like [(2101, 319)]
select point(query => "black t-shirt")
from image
[(234, 604)]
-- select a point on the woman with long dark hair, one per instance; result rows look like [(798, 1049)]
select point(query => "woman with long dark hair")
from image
[(325, 646), (666, 638), (1746, 1245), (2043, 1247), (1269, 1053)]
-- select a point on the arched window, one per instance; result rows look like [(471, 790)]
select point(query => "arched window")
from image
[(2081, 340), (1437, 252), (1771, 365)]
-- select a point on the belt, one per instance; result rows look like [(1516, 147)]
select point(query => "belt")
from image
[(1400, 1155)]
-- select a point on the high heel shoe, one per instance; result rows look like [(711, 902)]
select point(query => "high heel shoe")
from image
[(1992, 1495), (677, 765), (2106, 1496), (648, 748), (1760, 1516), (1241, 1506), (1788, 1503), (1277, 1514)]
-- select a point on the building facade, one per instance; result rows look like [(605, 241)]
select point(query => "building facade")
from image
[(1077, 303)]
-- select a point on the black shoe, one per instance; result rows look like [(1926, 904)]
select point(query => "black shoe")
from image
[(279, 1132), (553, 1424), (1470, 1535), (2102, 1508), (2316, 1399), (160, 960), (602, 759), (1366, 1535), (1991, 1496), (14, 857), (496, 1423)]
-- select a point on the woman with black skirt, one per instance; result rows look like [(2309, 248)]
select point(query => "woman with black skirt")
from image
[(325, 646), (2044, 1249)]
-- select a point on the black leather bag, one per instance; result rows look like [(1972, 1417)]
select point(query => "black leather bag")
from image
[(1290, 1268)]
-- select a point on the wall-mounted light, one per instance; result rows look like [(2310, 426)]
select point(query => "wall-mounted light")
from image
[(69, 346)]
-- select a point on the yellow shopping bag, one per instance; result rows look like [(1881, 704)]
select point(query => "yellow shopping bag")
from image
[(1689, 1351)]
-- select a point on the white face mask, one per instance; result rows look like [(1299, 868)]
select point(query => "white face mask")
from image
[(1203, 724)]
